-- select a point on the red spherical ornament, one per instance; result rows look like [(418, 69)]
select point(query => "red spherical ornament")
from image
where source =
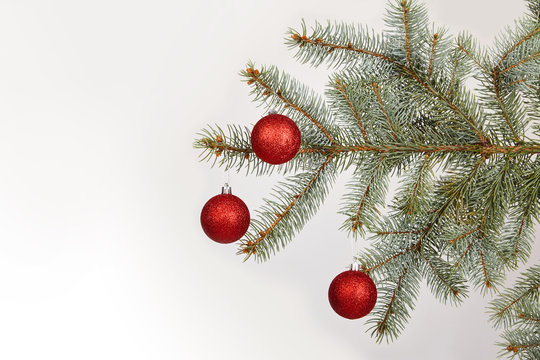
[(225, 218), (275, 139), (352, 294)]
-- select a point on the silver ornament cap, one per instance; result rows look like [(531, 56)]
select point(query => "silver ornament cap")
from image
[(226, 189)]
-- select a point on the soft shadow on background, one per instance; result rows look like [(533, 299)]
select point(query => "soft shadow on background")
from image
[(102, 255)]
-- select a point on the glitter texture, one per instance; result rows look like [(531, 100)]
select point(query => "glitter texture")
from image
[(275, 139), (225, 218), (352, 294)]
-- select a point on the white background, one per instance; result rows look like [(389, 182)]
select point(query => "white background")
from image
[(101, 251)]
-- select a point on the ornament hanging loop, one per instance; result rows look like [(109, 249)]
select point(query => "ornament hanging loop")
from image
[(226, 189)]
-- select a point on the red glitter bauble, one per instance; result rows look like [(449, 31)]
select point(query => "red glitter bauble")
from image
[(275, 139), (352, 294), (225, 218)]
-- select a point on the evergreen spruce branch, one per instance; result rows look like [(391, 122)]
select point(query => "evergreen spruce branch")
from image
[(398, 232), (454, 189), (451, 104), (295, 201), (520, 81), (520, 343), (396, 297), (465, 253), (487, 279), (281, 91), (524, 224), (341, 87), (494, 261), (382, 107), (492, 193), (231, 149), (407, 112), (440, 46), (482, 256), (469, 47), (410, 149), (367, 191), (456, 239), (530, 319), (321, 43), (518, 232), (412, 197), (374, 108), (525, 293), (521, 40), (432, 55), (376, 259), (450, 192), (407, 29), (503, 105), (520, 62), (443, 280), (534, 9), (487, 272), (337, 44), (406, 9)]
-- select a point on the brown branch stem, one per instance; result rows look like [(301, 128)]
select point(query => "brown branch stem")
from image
[(376, 90), (341, 88), (255, 77)]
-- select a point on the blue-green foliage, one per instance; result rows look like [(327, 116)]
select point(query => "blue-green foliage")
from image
[(465, 159)]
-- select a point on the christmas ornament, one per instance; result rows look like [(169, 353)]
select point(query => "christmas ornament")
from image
[(352, 294), (225, 217), (275, 139)]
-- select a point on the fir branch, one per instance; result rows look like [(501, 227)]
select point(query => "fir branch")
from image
[(515, 348), (443, 281), (522, 295), (316, 41), (432, 55), (487, 282), (464, 235), (446, 100), (399, 106), (518, 43), (473, 58), (412, 196), (406, 9), (364, 196), (523, 81), (485, 150), (231, 149), (529, 318), (396, 299), (280, 220), (524, 344), (341, 87), (366, 193), (398, 232), (258, 78), (465, 253), (376, 91), (377, 265), (522, 61), (495, 75)]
